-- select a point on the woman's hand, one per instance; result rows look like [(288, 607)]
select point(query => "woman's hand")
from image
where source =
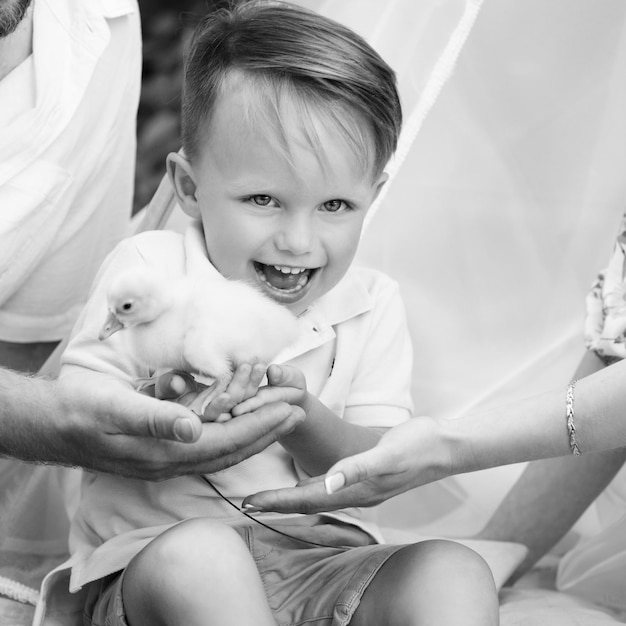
[(407, 456)]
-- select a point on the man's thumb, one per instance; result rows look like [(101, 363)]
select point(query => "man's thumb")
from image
[(161, 419)]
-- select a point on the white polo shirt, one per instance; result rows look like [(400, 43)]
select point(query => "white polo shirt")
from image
[(67, 158), (354, 350)]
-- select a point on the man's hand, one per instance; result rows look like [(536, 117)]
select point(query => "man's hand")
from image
[(101, 423), (407, 456)]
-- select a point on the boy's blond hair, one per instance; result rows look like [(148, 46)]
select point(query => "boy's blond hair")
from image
[(286, 54)]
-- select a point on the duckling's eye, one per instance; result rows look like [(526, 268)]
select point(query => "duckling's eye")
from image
[(127, 306)]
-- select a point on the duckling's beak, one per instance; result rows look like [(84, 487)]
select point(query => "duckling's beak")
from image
[(111, 325)]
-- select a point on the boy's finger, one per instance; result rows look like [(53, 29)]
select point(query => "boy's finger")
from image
[(218, 406), (239, 383), (285, 376), (174, 384), (256, 377), (275, 374), (251, 404)]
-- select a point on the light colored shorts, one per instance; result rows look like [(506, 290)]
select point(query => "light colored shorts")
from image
[(304, 584)]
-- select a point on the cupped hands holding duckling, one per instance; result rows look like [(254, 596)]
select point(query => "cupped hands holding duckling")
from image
[(215, 328), (244, 394)]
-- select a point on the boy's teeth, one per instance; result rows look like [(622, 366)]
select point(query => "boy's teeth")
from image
[(285, 269), (284, 277)]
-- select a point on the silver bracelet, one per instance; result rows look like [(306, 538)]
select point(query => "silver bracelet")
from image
[(569, 412)]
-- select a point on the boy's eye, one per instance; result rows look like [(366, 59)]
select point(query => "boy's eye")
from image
[(332, 206), (261, 200)]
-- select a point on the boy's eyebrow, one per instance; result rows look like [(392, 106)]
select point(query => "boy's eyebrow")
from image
[(245, 185)]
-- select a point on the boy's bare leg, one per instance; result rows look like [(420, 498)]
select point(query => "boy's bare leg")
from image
[(430, 583), (198, 573)]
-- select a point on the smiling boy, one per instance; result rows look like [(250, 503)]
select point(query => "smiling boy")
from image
[(288, 122), (285, 218)]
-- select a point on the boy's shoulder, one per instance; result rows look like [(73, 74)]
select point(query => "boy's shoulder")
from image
[(162, 249), (362, 290), (373, 281), (155, 245), (157, 238)]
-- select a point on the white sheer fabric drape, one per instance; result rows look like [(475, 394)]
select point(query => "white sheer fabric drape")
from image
[(501, 213), (502, 209)]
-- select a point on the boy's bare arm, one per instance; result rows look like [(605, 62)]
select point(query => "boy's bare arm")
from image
[(322, 438)]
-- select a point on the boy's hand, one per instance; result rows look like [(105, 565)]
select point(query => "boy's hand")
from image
[(184, 389), (285, 384)]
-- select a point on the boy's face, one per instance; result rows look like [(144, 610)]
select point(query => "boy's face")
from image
[(291, 228)]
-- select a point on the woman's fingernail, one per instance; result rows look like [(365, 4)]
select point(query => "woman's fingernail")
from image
[(183, 430), (334, 482), (251, 508)]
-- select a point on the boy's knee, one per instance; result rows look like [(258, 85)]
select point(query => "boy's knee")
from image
[(200, 538), (439, 561), (447, 569), (454, 559), (197, 556), (434, 581), (189, 547)]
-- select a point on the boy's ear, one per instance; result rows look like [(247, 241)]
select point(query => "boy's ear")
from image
[(384, 177), (182, 179)]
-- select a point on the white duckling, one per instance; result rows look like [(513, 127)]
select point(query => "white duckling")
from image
[(205, 324)]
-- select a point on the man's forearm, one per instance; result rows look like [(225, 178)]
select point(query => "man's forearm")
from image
[(27, 407)]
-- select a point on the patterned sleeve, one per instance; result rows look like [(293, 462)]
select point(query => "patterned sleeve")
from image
[(605, 321)]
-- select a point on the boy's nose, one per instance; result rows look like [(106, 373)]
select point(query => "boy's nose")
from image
[(296, 235)]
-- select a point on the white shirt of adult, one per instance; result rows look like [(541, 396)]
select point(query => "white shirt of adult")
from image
[(67, 159)]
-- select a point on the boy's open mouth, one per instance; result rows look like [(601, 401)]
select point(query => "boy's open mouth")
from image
[(284, 278)]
